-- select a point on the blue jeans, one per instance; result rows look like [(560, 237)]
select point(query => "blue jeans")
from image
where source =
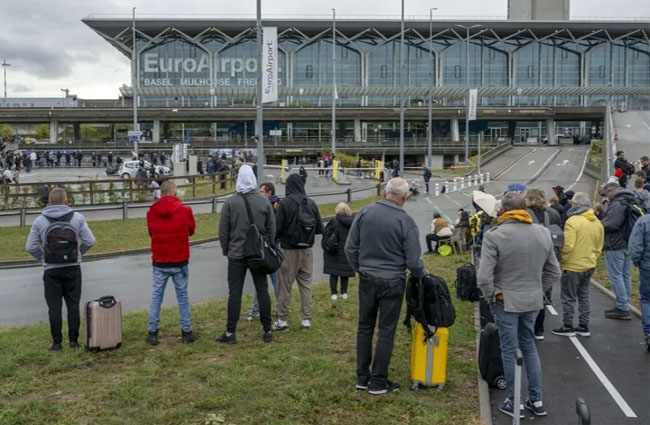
[(255, 309), (516, 331), (644, 291), (619, 272), (180, 276)]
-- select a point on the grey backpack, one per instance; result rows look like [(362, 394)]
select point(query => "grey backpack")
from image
[(557, 234)]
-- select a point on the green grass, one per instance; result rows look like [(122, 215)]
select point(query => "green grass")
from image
[(595, 156), (120, 235), (600, 276), (301, 378)]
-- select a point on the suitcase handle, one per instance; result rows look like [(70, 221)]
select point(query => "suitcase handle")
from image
[(584, 418), (107, 301)]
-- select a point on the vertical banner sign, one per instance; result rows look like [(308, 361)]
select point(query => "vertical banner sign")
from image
[(270, 65), (471, 105)]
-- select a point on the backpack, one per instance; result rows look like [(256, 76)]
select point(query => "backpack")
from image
[(330, 241), (429, 302), (302, 229), (635, 211), (557, 234), (466, 289), (260, 252), (61, 241)]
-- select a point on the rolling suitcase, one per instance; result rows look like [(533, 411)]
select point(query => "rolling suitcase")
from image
[(103, 324), (429, 358), (485, 312), (489, 357)]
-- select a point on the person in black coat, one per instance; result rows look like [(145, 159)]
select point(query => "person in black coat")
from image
[(333, 242)]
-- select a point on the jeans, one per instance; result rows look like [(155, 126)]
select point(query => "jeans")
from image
[(255, 309), (426, 184), (63, 283), (575, 286), (619, 272), (334, 280), (236, 275), (384, 298), (180, 277), (516, 331), (644, 291)]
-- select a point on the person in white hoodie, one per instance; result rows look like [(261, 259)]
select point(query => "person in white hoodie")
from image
[(61, 257)]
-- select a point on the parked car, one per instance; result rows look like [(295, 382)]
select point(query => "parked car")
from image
[(129, 169)]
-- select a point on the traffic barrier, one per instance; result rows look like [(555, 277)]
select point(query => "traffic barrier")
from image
[(455, 185), (437, 190), (462, 183), (487, 177), (481, 178)]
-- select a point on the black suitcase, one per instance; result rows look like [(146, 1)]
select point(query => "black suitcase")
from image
[(489, 357), (485, 313)]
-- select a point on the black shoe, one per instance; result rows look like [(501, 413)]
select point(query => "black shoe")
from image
[(362, 383), (55, 347), (267, 336), (188, 337), (388, 388), (74, 344), (539, 335), (582, 331), (618, 314), (564, 331), (224, 338), (611, 310), (647, 343), (152, 338)]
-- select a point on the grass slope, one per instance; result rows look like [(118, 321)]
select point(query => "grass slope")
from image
[(301, 378)]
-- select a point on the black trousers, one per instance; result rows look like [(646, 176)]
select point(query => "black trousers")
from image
[(539, 322), (236, 276), (344, 284), (63, 283), (432, 237), (384, 298)]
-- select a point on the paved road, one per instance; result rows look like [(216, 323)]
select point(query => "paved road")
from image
[(633, 133)]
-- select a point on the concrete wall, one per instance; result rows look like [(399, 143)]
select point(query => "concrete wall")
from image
[(542, 10)]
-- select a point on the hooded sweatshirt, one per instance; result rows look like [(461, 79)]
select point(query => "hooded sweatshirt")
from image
[(583, 240), (170, 225), (246, 180), (36, 236), (288, 210), (643, 196)]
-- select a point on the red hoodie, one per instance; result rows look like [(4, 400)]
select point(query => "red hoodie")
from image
[(170, 225)]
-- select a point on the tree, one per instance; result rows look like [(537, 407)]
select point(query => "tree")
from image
[(42, 131), (6, 130)]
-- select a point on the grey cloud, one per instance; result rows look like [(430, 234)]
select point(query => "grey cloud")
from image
[(19, 88)]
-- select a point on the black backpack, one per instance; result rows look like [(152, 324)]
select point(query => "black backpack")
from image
[(557, 234), (635, 210), (61, 241), (302, 229), (330, 241), (466, 289), (429, 302), (260, 252)]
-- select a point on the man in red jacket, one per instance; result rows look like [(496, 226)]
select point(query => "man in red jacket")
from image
[(170, 225)]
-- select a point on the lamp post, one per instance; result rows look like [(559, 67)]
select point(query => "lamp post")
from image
[(65, 95), (467, 84), (5, 65), (134, 82), (433, 73), (334, 95), (401, 95), (259, 124)]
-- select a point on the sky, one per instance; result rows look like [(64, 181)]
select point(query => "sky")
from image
[(50, 49)]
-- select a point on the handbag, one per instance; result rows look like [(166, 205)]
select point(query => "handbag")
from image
[(260, 252)]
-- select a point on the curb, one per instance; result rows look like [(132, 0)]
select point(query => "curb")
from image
[(507, 167), (484, 402), (611, 295)]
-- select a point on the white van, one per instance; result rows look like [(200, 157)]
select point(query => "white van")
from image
[(129, 169)]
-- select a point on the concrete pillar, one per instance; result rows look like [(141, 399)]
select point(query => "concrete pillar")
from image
[(77, 131), (456, 159), (455, 130), (155, 133), (165, 132), (550, 131), (54, 131), (357, 130), (290, 131)]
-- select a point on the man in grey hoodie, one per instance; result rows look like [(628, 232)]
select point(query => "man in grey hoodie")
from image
[(62, 280)]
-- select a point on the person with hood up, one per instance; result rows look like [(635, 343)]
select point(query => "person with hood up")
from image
[(642, 195), (583, 244), (333, 243), (303, 174), (61, 278), (233, 229), (298, 222), (170, 225)]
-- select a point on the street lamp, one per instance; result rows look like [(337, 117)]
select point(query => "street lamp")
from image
[(5, 65), (259, 125), (134, 82), (433, 73), (401, 95), (65, 95), (334, 96), (467, 84)]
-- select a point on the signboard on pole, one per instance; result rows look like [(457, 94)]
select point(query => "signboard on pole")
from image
[(472, 104), (270, 65), (134, 136)]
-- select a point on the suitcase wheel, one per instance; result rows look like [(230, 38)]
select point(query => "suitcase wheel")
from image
[(415, 386), (501, 383), (94, 350), (118, 345)]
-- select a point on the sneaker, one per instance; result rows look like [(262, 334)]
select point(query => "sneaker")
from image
[(539, 336), (188, 337), (267, 336), (306, 325), (618, 314), (362, 384), (389, 387), (280, 326), (507, 408), (582, 331), (334, 297), (226, 338), (252, 317), (74, 344), (344, 296), (537, 407), (564, 331), (647, 343), (611, 310), (152, 338), (55, 347)]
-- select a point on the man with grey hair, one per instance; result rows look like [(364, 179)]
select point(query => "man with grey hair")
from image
[(617, 256), (583, 244), (518, 264), (381, 258)]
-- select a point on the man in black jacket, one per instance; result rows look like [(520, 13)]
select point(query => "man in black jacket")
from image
[(298, 221), (626, 168)]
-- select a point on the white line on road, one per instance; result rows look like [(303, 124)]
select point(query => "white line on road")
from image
[(584, 164), (627, 410), (541, 170), (646, 125), (551, 309), (430, 201)]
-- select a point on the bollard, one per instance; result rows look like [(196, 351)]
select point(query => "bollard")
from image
[(481, 178), (23, 217), (474, 180), (455, 185), (125, 211), (379, 189), (349, 193), (214, 205), (462, 182), (487, 177), (437, 189)]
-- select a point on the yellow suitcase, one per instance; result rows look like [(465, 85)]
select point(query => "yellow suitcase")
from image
[(429, 358)]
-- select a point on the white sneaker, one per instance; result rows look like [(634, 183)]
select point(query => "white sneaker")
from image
[(334, 297), (280, 325), (344, 296), (306, 325)]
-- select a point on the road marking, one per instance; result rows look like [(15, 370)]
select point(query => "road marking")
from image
[(511, 166), (551, 309), (541, 170), (469, 195), (531, 162), (430, 201), (455, 202), (627, 410), (646, 125), (582, 170)]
